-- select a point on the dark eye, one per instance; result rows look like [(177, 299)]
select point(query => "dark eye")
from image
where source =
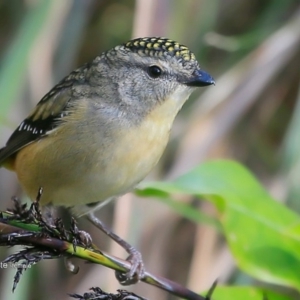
[(154, 71)]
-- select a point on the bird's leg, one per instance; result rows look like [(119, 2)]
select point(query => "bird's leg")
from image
[(137, 270)]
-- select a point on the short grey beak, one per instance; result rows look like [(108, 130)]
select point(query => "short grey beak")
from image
[(200, 78)]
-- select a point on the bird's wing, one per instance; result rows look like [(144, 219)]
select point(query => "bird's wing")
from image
[(41, 121)]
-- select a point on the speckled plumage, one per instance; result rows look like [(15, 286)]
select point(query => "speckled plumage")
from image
[(102, 129), (161, 47)]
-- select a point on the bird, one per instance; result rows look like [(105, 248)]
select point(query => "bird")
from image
[(101, 130)]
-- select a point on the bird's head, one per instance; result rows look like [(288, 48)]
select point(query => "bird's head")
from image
[(148, 71)]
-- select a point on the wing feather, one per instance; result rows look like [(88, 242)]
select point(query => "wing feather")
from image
[(46, 116)]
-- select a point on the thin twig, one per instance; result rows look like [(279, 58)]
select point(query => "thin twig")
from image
[(22, 226)]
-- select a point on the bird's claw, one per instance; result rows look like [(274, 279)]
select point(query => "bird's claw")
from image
[(136, 272), (85, 238)]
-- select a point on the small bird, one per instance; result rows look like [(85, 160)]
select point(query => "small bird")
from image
[(103, 128)]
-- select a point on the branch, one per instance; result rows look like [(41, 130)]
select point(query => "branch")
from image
[(50, 240)]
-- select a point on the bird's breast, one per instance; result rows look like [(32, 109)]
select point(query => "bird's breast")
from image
[(86, 167), (137, 150)]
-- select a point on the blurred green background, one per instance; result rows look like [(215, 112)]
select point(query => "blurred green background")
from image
[(251, 47)]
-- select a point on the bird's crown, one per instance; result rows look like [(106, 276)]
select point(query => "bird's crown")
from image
[(158, 47)]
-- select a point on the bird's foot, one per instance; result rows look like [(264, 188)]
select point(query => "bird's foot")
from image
[(137, 270), (80, 237), (85, 238)]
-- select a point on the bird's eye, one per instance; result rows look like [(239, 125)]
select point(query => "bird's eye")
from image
[(154, 71)]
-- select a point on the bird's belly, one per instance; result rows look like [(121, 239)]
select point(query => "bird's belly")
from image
[(138, 156), (129, 163), (95, 173)]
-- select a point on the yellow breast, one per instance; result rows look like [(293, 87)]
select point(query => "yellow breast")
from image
[(72, 175), (141, 147)]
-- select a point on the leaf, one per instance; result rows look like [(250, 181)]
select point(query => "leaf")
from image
[(245, 293), (185, 209), (262, 234)]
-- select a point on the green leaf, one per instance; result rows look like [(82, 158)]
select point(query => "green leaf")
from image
[(185, 209), (245, 293), (262, 234)]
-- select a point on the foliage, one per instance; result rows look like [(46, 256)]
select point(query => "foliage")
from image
[(263, 234)]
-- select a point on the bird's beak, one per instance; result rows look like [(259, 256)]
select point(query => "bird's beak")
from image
[(200, 78)]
